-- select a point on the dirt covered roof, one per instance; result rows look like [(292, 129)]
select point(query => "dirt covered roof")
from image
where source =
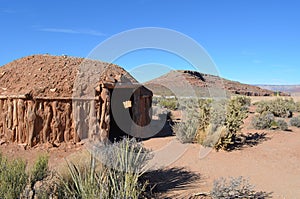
[(54, 76)]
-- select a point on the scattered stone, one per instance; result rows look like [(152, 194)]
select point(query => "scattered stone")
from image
[(53, 90), (2, 142), (22, 146)]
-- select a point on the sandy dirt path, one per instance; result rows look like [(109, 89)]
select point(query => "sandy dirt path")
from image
[(272, 165)]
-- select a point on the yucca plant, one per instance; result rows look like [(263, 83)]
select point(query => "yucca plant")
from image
[(126, 161), (113, 172)]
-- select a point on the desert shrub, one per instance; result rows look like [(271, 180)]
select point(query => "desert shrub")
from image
[(295, 121), (282, 125), (128, 155), (186, 130), (236, 112), (116, 176), (212, 122), (212, 135), (263, 121), (236, 188), (244, 101), (218, 114), (39, 170), (82, 181), (169, 103), (263, 106), (216, 127), (13, 178), (161, 113), (297, 106), (226, 141), (278, 107), (203, 118), (283, 107), (204, 113)]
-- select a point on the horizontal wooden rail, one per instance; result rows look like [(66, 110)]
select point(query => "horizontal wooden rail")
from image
[(49, 98)]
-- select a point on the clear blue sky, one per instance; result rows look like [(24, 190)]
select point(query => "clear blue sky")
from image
[(252, 41)]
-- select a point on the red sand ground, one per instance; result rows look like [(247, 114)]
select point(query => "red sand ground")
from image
[(272, 165)]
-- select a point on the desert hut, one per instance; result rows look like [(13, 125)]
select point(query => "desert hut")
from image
[(55, 99)]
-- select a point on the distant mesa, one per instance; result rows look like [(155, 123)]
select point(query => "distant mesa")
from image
[(290, 89)]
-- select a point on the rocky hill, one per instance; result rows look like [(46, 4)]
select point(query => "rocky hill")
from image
[(182, 79)]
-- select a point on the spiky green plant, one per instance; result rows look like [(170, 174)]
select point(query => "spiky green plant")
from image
[(236, 113), (114, 174)]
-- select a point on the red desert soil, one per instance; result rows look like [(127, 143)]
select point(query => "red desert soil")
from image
[(272, 165)]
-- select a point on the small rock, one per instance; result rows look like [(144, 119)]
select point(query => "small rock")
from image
[(2, 142), (53, 90), (23, 146), (2, 74), (80, 143), (56, 144), (48, 145)]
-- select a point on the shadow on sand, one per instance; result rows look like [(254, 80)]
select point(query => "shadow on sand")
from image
[(249, 140), (172, 179)]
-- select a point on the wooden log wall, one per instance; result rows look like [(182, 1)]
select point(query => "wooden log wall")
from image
[(40, 120), (47, 120)]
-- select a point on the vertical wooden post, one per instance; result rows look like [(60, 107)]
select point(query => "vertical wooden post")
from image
[(4, 116), (48, 114), (10, 120), (31, 116), (92, 120), (1, 119), (105, 115), (15, 120), (68, 125), (77, 123), (21, 123)]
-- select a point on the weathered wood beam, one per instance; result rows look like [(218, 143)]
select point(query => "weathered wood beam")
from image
[(13, 97)]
